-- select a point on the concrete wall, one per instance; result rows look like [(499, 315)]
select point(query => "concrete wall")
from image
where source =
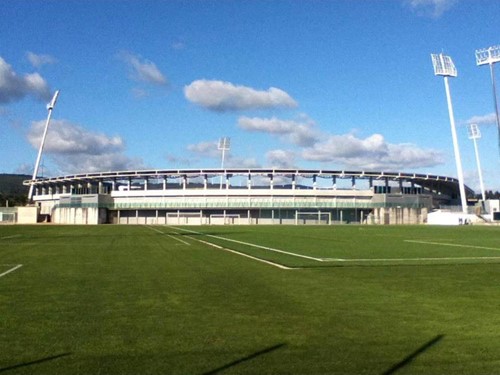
[(398, 215), (75, 215), (451, 218), (27, 215)]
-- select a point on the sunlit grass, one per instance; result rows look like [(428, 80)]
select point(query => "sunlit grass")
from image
[(131, 300)]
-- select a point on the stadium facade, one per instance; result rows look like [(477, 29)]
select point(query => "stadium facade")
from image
[(243, 196)]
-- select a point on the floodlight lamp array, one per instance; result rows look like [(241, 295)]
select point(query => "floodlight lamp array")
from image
[(488, 55), (224, 143), (474, 132), (443, 65)]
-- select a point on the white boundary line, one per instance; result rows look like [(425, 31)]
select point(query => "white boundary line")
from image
[(11, 270), (245, 255), (453, 244), (340, 260), (169, 235), (410, 259), (257, 246), (222, 248), (234, 251)]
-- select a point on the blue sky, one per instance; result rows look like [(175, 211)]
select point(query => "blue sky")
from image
[(308, 84)]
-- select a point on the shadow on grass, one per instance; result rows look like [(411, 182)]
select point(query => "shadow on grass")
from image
[(31, 363), (244, 359), (406, 361)]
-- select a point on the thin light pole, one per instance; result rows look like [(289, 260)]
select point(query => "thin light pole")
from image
[(224, 145), (490, 56), (50, 107), (475, 134), (443, 66)]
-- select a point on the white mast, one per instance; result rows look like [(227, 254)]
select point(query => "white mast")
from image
[(490, 56), (50, 107), (443, 66), (475, 134), (224, 145)]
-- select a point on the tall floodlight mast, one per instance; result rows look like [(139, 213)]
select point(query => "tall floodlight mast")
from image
[(443, 66), (490, 56), (50, 107), (475, 134), (224, 145)]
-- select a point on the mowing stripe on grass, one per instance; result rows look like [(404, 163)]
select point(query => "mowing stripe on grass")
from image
[(454, 245), (8, 237), (10, 270), (254, 245), (169, 235)]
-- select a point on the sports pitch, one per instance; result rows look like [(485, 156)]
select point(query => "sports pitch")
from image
[(249, 300)]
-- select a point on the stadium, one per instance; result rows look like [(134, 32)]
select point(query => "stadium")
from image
[(243, 196)]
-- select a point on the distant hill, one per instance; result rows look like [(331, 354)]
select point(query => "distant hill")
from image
[(13, 190)]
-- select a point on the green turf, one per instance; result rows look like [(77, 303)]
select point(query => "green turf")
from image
[(131, 300)]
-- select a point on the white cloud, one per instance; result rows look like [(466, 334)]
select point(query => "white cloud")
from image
[(143, 70), (239, 162), (209, 150), (178, 45), (489, 119), (205, 149), (76, 150), (431, 8), (225, 96), (298, 133), (14, 87), (38, 60), (281, 159), (372, 152), (24, 168)]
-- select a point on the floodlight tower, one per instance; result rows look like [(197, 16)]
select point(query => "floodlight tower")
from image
[(490, 56), (475, 134), (443, 66), (50, 107), (224, 145)]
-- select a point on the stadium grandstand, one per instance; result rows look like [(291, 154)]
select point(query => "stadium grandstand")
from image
[(243, 196)]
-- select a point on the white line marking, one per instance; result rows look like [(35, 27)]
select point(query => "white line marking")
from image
[(253, 245), (454, 245), (11, 270), (223, 248), (245, 255), (410, 259), (169, 235), (178, 239)]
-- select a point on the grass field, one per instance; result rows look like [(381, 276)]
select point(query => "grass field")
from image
[(249, 300)]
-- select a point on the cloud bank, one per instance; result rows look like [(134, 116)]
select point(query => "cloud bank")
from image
[(223, 96), (298, 133), (371, 153), (75, 149), (489, 119), (281, 159), (14, 87)]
